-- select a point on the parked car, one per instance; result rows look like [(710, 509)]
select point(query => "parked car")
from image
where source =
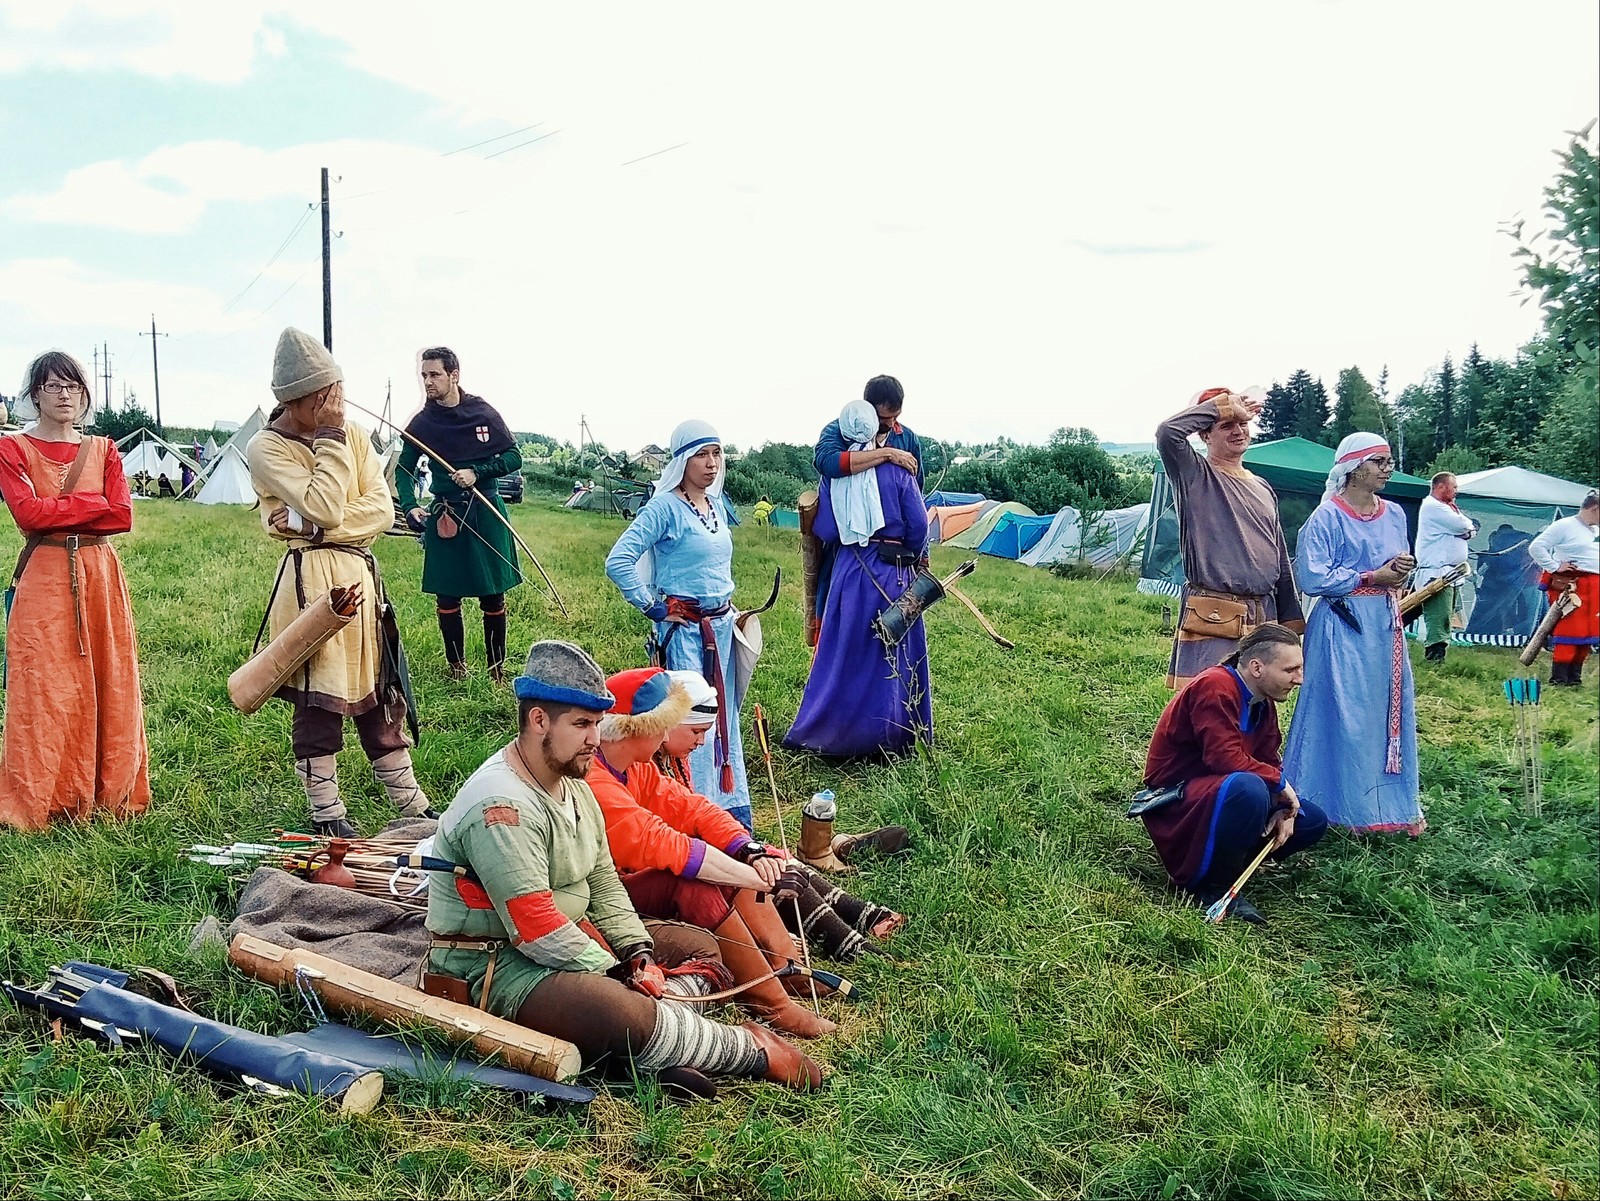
[(510, 488)]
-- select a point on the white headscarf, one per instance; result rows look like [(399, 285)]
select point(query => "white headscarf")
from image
[(857, 507), (25, 406), (687, 440), (1353, 451)]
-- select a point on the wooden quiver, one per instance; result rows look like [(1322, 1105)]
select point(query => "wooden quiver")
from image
[(810, 563), (350, 990), (270, 668)]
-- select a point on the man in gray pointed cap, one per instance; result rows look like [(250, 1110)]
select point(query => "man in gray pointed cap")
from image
[(324, 497)]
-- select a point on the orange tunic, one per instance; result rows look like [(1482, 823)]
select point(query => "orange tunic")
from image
[(74, 732)]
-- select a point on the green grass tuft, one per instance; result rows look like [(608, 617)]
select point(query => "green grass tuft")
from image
[(1419, 1019)]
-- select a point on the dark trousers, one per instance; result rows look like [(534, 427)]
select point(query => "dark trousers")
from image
[(316, 732), (1237, 822)]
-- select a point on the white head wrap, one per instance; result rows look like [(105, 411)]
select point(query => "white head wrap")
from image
[(1352, 452), (687, 440), (857, 507), (702, 696)]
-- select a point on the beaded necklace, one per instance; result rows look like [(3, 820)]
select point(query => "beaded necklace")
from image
[(712, 526)]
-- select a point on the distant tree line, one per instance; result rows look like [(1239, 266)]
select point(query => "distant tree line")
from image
[(1538, 409)]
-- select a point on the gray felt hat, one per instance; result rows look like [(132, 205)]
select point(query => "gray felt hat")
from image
[(301, 366), (563, 674)]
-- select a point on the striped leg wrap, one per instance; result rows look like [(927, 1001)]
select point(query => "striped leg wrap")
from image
[(688, 986), (871, 915), (684, 1039), (399, 780), (319, 775), (834, 935)]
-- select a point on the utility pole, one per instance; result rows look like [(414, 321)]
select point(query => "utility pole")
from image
[(155, 366), (327, 270), (94, 385), (105, 366)]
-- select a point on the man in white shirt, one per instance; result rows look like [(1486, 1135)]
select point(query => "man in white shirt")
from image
[(1443, 532), (1570, 557)]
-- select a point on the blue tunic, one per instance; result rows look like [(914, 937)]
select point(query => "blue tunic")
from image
[(862, 700), (693, 563), (1342, 747)]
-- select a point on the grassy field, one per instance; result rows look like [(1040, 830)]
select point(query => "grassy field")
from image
[(1419, 1020)]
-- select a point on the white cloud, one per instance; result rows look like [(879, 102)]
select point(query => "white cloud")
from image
[(1042, 215), (202, 39)]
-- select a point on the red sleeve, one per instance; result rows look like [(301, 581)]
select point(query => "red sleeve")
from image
[(684, 809), (639, 839), (1215, 718), (75, 512), (118, 519), (844, 462)]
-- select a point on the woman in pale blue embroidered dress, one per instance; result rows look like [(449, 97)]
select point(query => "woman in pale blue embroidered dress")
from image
[(1352, 747), (688, 594)]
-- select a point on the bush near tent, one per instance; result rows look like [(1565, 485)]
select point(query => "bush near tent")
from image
[(972, 537), (1014, 535), (1113, 535), (939, 500), (1296, 468)]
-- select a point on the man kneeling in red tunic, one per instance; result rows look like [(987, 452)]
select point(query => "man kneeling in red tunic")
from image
[(1218, 751)]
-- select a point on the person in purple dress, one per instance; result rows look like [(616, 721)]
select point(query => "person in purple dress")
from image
[(865, 700)]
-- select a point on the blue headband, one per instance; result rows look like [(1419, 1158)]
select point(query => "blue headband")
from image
[(687, 447), (529, 689)]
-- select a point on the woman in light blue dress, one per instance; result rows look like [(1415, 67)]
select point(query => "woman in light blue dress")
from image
[(687, 591), (1352, 747)]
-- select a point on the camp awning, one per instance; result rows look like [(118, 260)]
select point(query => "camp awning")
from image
[(1302, 466), (1518, 483)]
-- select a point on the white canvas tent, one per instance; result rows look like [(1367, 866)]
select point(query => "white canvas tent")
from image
[(1520, 484), (228, 480), (253, 426), (145, 452), (210, 452), (1114, 535)]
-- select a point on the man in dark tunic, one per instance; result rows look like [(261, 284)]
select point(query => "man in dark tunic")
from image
[(465, 550), (834, 460), (1235, 557), (1218, 740)]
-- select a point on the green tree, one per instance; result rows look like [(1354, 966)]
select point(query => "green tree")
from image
[(1310, 406), (1457, 460), (1280, 415), (1413, 422), (1355, 407), (1569, 437), (119, 423), (1444, 402)]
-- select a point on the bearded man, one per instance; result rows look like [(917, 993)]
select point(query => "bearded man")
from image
[(543, 932)]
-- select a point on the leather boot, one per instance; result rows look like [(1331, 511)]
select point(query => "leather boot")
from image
[(766, 1000), (816, 837), (319, 776), (885, 840), (1561, 674), (787, 1064), (399, 780)]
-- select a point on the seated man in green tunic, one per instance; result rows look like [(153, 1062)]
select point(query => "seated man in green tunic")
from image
[(543, 933), (465, 551)]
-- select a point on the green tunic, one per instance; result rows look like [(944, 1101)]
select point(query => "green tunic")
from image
[(481, 559), (543, 864)]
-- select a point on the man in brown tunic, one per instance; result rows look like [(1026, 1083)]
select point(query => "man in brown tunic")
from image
[(1235, 559)]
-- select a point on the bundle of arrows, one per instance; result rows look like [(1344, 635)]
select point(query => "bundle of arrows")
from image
[(371, 866)]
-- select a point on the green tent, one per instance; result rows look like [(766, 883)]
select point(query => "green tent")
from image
[(1296, 468), (972, 537)]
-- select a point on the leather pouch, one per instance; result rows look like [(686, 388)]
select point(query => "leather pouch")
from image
[(1214, 617), (447, 988)]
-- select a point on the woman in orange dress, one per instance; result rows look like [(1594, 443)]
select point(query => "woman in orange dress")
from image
[(74, 725)]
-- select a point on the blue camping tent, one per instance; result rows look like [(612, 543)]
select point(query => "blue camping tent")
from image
[(936, 499), (1014, 535)]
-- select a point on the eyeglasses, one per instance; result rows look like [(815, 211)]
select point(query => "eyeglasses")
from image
[(1382, 464), (55, 389)]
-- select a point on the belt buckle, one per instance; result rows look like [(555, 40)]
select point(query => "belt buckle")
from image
[(72, 542)]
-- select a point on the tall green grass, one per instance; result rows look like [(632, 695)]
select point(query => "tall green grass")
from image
[(1418, 1020)]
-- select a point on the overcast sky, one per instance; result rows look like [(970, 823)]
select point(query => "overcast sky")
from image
[(1035, 215)]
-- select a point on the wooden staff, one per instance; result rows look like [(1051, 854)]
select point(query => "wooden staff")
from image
[(783, 842)]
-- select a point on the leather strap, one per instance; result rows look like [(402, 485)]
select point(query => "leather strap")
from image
[(68, 483)]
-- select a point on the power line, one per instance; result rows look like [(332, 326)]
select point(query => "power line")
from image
[(652, 154), (520, 145), (496, 138), (284, 245)]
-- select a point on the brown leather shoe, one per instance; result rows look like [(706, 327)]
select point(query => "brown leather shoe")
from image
[(459, 671), (787, 1064), (885, 840)]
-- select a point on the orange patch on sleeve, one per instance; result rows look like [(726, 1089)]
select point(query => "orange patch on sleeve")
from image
[(502, 815)]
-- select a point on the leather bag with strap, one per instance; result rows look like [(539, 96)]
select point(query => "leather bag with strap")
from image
[(1214, 617)]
